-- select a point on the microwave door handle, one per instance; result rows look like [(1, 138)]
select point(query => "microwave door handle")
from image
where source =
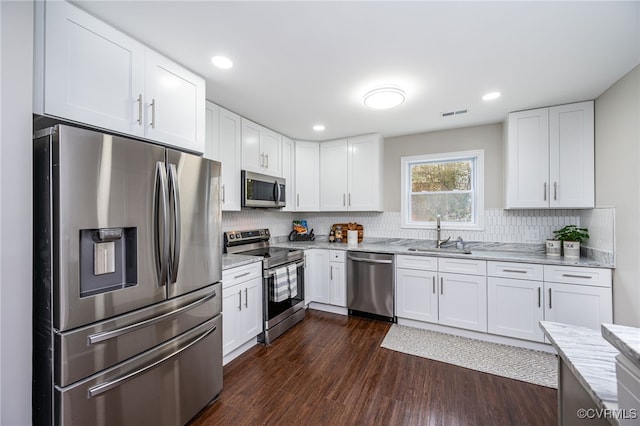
[(160, 222), (276, 192), (279, 192), (175, 256)]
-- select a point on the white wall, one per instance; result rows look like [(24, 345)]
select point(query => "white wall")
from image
[(16, 40), (617, 185)]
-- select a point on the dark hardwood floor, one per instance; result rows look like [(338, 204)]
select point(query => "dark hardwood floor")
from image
[(331, 370)]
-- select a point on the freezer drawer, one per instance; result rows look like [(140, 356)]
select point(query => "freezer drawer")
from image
[(166, 386), (89, 350)]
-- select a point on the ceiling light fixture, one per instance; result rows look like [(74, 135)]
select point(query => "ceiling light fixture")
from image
[(222, 62), (384, 98), (491, 96), (318, 127)]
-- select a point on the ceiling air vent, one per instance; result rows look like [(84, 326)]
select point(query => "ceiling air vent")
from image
[(452, 113)]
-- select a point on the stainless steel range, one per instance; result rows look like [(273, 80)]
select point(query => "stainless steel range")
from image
[(282, 279)]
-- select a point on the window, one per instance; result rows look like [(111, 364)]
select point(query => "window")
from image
[(450, 185)]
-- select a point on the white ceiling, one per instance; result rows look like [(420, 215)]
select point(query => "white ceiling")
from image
[(301, 63)]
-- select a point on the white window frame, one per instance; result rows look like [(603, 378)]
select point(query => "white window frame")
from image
[(477, 189)]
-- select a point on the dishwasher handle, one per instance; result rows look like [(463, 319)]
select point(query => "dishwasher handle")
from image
[(359, 259)]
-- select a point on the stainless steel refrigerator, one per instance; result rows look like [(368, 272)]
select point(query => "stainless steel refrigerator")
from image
[(127, 281)]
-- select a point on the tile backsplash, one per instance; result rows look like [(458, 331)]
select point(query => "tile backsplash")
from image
[(504, 226)]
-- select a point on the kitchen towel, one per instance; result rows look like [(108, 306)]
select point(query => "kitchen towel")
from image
[(279, 291), (292, 272)]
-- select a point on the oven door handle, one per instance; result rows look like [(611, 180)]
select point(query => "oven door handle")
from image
[(101, 337), (270, 272)]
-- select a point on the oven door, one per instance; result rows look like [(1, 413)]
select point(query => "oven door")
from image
[(262, 191), (276, 312)]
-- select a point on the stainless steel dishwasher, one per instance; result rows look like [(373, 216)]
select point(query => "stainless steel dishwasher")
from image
[(370, 284)]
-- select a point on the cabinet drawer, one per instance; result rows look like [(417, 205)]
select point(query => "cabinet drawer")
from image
[(521, 271), (240, 274), (336, 255), (462, 266), (575, 275), (421, 263)]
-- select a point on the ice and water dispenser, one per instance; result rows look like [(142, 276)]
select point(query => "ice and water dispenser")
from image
[(108, 260)]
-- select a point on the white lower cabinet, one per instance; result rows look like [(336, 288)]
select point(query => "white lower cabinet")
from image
[(581, 305), (241, 309), (423, 293), (515, 308), (325, 277)]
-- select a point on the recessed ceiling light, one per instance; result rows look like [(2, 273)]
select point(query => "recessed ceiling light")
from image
[(318, 127), (491, 96), (384, 98), (222, 62)]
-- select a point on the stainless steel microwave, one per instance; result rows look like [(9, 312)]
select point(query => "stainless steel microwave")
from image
[(262, 191)]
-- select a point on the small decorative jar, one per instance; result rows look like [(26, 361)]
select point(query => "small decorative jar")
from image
[(338, 234)]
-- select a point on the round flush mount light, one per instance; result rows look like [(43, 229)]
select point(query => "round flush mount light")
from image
[(491, 96), (384, 98), (318, 127), (222, 62)]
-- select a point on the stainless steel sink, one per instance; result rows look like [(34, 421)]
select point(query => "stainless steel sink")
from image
[(441, 250)]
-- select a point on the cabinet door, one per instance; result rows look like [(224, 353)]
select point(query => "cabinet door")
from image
[(252, 157), (581, 305), (527, 159), (271, 146), (515, 308), (416, 295), (231, 323), (175, 104), (288, 173), (571, 156), (251, 309), (463, 301), (307, 187), (229, 136), (365, 170), (212, 133), (333, 175), (338, 284), (316, 275), (93, 73)]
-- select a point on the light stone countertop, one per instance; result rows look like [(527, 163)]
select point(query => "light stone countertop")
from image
[(233, 260), (625, 339), (506, 252), (590, 358)]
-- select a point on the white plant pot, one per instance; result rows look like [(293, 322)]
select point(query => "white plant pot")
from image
[(554, 247), (571, 249)]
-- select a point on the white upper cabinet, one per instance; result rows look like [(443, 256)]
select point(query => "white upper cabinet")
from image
[(351, 174), (288, 173), (307, 176), (261, 149), (223, 144), (90, 73), (549, 157)]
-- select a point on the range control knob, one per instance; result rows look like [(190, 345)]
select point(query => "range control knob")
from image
[(231, 236)]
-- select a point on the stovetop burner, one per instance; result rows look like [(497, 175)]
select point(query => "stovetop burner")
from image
[(256, 243)]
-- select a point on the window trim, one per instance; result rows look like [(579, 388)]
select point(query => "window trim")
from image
[(478, 189)]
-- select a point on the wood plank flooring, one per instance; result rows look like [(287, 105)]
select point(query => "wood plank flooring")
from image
[(331, 370)]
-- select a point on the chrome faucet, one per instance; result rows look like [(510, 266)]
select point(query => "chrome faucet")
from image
[(439, 242)]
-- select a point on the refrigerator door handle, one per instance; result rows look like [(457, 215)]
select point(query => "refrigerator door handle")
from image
[(105, 386), (160, 220), (106, 335), (175, 256)]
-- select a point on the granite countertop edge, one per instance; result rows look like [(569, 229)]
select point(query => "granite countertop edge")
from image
[(590, 358), (234, 260), (625, 339), (483, 251)]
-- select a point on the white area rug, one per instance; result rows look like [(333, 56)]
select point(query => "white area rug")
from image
[(527, 365)]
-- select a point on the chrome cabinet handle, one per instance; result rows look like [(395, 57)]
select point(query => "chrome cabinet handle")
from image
[(241, 275), (267, 157), (240, 300), (298, 200), (153, 114), (545, 191), (331, 272), (349, 199), (519, 271), (262, 160), (586, 277), (433, 284), (441, 285), (223, 194), (106, 335), (549, 298), (103, 387), (344, 200), (555, 191), (140, 109), (246, 297)]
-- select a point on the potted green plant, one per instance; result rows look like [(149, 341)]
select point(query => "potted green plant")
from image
[(571, 237)]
